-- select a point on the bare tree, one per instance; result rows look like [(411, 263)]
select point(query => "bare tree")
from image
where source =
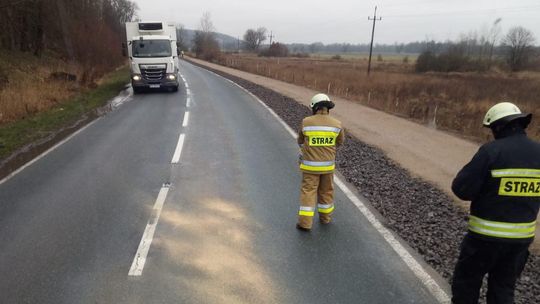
[(494, 34), (181, 37), (205, 44), (254, 38), (261, 35), (126, 10), (250, 40), (62, 27), (518, 44), (205, 24)]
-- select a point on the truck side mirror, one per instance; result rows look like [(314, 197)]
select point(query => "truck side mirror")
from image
[(124, 49)]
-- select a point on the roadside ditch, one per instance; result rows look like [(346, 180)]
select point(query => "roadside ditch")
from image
[(424, 216)]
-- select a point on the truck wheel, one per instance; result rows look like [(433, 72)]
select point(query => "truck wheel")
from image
[(175, 89), (137, 90)]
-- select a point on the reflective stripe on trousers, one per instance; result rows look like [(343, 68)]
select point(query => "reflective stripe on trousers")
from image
[(502, 229), (317, 166), (325, 208), (306, 211)]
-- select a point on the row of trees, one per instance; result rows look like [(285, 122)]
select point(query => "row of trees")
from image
[(205, 38), (81, 31), (473, 53)]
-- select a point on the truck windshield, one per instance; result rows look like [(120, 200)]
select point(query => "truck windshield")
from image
[(152, 48)]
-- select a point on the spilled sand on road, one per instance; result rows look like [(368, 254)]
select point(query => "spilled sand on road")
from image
[(213, 248)]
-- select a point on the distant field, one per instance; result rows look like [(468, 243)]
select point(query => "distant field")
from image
[(454, 102), (364, 56)]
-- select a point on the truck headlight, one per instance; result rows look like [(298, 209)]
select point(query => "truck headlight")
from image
[(171, 77), (136, 77)]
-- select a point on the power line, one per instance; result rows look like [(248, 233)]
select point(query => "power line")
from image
[(505, 9)]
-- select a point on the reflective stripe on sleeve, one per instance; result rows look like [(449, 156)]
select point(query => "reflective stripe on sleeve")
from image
[(502, 229), (306, 211), (325, 208), (317, 166), (534, 173)]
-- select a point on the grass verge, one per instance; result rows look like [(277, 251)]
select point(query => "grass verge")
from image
[(17, 134)]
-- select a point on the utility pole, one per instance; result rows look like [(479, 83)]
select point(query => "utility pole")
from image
[(375, 19), (271, 36), (238, 47)]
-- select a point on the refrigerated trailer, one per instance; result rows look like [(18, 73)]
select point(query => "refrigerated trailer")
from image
[(153, 55)]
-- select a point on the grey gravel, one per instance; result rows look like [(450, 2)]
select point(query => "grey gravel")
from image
[(424, 216)]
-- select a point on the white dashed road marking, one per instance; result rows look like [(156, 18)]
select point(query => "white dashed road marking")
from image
[(178, 150), (186, 120), (144, 246)]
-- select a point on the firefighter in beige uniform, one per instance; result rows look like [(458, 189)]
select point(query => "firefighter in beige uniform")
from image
[(318, 138)]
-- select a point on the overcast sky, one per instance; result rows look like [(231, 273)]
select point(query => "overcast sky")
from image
[(346, 20)]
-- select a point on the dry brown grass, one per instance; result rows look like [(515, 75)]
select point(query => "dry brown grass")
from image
[(29, 89), (454, 102)]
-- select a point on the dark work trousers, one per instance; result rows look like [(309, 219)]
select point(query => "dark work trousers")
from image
[(503, 262)]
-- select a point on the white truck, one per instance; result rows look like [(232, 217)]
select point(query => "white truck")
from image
[(153, 55)]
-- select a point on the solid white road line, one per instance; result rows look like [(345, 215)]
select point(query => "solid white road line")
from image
[(142, 252), (186, 119), (419, 271), (178, 150), (405, 255)]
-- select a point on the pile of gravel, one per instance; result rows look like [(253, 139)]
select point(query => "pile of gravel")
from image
[(424, 216)]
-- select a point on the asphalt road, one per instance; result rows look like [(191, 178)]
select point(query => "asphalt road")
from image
[(71, 223)]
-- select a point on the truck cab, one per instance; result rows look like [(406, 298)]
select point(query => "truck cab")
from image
[(153, 55)]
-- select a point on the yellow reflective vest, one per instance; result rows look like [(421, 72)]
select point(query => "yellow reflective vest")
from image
[(318, 138)]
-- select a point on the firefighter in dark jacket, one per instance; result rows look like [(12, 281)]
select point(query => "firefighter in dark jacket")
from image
[(502, 181)]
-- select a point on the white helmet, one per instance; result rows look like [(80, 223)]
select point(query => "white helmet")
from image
[(321, 98), (505, 112)]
